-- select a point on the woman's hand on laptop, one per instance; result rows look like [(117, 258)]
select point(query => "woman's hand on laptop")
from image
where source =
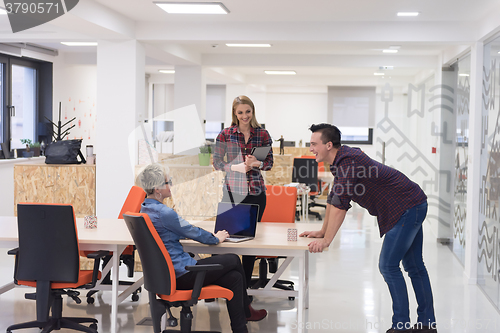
[(222, 235)]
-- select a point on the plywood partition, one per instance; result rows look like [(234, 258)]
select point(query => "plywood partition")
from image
[(43, 183)]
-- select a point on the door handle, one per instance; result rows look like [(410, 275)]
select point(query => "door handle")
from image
[(12, 109)]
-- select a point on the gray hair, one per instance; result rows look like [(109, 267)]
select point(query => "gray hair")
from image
[(152, 176)]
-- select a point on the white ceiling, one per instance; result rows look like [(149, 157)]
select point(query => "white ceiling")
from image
[(325, 41)]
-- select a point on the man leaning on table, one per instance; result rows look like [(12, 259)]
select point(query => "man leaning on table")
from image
[(400, 206)]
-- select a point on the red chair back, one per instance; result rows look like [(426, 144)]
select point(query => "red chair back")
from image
[(135, 198), (281, 203)]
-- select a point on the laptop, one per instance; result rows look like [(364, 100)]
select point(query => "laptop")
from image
[(239, 221)]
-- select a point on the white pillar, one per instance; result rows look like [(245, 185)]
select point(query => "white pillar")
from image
[(190, 88), (474, 163), (120, 108)]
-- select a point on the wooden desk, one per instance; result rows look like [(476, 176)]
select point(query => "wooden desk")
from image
[(271, 239), (111, 235)]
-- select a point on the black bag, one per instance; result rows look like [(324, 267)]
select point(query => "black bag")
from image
[(64, 152)]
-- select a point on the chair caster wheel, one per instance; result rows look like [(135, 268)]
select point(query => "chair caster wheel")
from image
[(172, 322), (135, 297), (90, 300), (291, 298), (93, 326)]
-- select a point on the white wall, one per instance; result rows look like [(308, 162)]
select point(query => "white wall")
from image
[(75, 86), (291, 114)]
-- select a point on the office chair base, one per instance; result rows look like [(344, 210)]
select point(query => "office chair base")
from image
[(54, 324), (135, 294)]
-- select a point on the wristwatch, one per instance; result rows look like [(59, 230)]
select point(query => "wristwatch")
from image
[(261, 165)]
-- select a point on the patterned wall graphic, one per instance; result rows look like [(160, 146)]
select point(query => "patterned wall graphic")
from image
[(421, 101), (461, 157), (489, 221)]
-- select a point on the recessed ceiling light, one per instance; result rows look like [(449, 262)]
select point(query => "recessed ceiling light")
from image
[(193, 7), (378, 74), (80, 43), (408, 13), (463, 74), (3, 11), (167, 71), (390, 51), (248, 45), (280, 72)]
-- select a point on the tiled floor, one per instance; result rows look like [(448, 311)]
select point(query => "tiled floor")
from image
[(347, 293)]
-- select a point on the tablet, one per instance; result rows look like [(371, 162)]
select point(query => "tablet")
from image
[(260, 153)]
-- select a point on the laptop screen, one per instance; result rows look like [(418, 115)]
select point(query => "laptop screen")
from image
[(238, 220)]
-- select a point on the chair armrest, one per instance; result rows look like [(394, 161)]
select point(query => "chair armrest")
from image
[(13, 252), (97, 255), (200, 271)]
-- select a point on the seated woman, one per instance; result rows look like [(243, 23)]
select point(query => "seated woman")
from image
[(171, 227)]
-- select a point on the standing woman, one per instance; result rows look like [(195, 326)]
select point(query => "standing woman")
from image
[(244, 182)]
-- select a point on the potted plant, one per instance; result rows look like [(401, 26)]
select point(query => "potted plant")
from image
[(35, 147), (204, 155), (27, 152)]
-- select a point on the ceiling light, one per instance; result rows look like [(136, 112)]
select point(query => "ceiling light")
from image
[(383, 68), (80, 43), (193, 7), (167, 71), (408, 13), (3, 11), (248, 45), (463, 74), (378, 74), (280, 72), (390, 51)]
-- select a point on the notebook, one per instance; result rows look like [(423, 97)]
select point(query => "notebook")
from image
[(239, 221)]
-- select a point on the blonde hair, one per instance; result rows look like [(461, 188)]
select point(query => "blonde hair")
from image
[(152, 176), (244, 100)]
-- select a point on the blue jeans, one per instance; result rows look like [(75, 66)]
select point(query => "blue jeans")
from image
[(404, 243)]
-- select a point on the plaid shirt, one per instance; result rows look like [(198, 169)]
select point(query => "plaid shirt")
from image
[(385, 192), (231, 144)]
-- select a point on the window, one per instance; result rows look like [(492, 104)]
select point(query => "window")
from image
[(212, 129), (19, 98)]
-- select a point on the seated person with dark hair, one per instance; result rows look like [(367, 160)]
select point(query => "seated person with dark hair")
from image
[(171, 228)]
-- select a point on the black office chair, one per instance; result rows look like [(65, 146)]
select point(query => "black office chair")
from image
[(160, 280), (48, 259), (305, 171)]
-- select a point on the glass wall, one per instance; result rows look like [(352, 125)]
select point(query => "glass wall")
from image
[(489, 221), (415, 134)]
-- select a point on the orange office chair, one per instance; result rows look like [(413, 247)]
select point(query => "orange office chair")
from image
[(135, 198), (280, 207), (48, 259), (159, 276)]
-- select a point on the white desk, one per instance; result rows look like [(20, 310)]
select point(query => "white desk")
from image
[(270, 240), (111, 235)]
